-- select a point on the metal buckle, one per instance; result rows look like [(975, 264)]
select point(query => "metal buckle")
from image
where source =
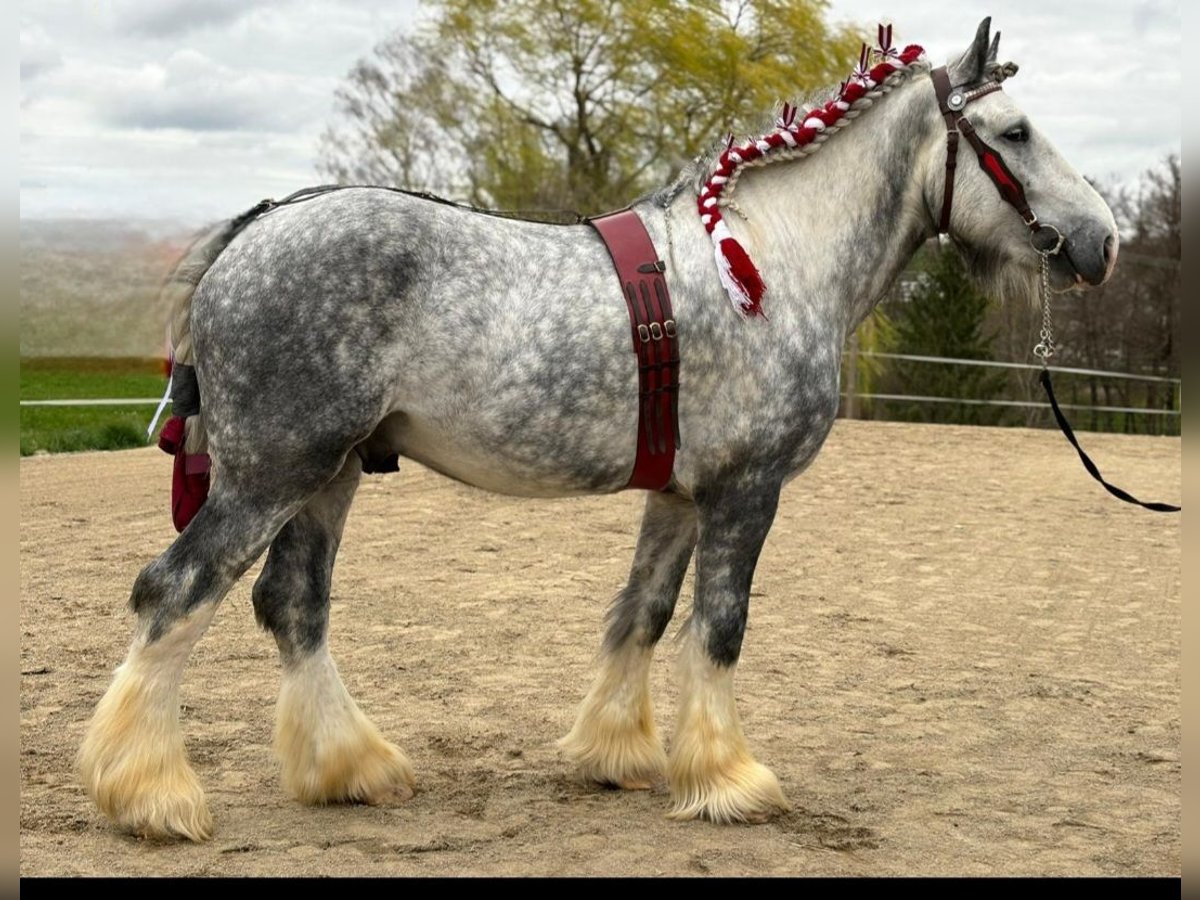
[(656, 331), (644, 334), (669, 328)]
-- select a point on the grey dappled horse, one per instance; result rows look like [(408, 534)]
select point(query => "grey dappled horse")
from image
[(363, 323)]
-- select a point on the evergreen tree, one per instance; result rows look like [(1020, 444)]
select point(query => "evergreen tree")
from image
[(944, 316)]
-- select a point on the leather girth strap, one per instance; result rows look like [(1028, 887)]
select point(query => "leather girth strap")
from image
[(655, 341)]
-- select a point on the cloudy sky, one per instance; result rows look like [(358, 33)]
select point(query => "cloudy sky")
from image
[(196, 109)]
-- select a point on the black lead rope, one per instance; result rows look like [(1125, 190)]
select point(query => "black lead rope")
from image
[(1044, 378)]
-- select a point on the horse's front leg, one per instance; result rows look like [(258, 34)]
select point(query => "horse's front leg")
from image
[(614, 740), (712, 773)]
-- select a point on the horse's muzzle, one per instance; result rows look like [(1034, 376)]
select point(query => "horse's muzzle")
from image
[(1092, 252)]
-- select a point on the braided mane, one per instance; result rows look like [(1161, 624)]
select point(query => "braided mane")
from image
[(794, 137)]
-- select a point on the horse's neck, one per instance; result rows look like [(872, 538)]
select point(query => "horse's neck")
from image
[(831, 233)]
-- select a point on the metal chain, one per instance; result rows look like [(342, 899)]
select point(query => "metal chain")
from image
[(1046, 347)]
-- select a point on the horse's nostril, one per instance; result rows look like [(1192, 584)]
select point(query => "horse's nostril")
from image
[(1108, 251)]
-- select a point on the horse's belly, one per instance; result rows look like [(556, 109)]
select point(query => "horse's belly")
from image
[(515, 466)]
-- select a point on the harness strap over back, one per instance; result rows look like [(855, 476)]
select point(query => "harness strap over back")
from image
[(655, 341)]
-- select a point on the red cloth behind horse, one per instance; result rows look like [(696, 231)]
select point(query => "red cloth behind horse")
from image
[(189, 484)]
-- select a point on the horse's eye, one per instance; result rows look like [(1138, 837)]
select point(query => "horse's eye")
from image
[(1018, 135)]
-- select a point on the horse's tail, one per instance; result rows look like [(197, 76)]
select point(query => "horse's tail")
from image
[(184, 435), (177, 292)]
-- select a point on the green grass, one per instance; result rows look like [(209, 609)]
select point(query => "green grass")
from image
[(62, 429)]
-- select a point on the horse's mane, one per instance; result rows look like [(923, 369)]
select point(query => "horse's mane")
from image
[(799, 131), (694, 173)]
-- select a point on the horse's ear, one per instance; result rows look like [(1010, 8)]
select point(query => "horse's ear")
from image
[(969, 68), (993, 55)]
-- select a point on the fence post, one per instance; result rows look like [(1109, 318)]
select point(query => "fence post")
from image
[(850, 407)]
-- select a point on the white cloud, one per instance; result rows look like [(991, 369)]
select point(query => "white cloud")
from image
[(167, 18), (182, 107), (189, 91), (38, 53)]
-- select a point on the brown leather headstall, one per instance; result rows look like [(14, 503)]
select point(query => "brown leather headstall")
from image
[(951, 102)]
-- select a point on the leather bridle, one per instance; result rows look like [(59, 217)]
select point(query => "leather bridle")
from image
[(952, 101), (1045, 238)]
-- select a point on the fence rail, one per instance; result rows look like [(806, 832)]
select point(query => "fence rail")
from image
[(1032, 404), (992, 363), (92, 401), (850, 395)]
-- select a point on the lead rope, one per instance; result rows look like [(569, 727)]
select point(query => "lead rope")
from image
[(1043, 351)]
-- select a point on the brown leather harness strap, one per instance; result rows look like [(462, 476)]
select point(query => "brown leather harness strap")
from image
[(655, 341)]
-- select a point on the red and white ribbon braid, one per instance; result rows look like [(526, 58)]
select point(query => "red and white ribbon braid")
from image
[(739, 275)]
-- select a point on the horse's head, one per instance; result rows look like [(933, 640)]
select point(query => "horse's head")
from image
[(995, 241)]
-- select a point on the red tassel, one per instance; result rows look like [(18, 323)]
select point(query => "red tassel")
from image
[(744, 272), (853, 92), (189, 487), (882, 71), (170, 439)]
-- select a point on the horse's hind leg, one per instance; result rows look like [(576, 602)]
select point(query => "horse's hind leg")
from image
[(712, 773), (614, 740), (329, 750), (132, 760)]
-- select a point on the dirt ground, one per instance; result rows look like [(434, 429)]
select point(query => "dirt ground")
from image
[(963, 658)]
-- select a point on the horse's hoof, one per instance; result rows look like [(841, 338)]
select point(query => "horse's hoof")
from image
[(361, 768), (643, 776), (132, 763), (164, 806), (390, 795), (628, 758), (183, 817), (747, 793)]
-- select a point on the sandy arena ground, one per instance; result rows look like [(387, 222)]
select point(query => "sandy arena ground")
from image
[(963, 657)]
